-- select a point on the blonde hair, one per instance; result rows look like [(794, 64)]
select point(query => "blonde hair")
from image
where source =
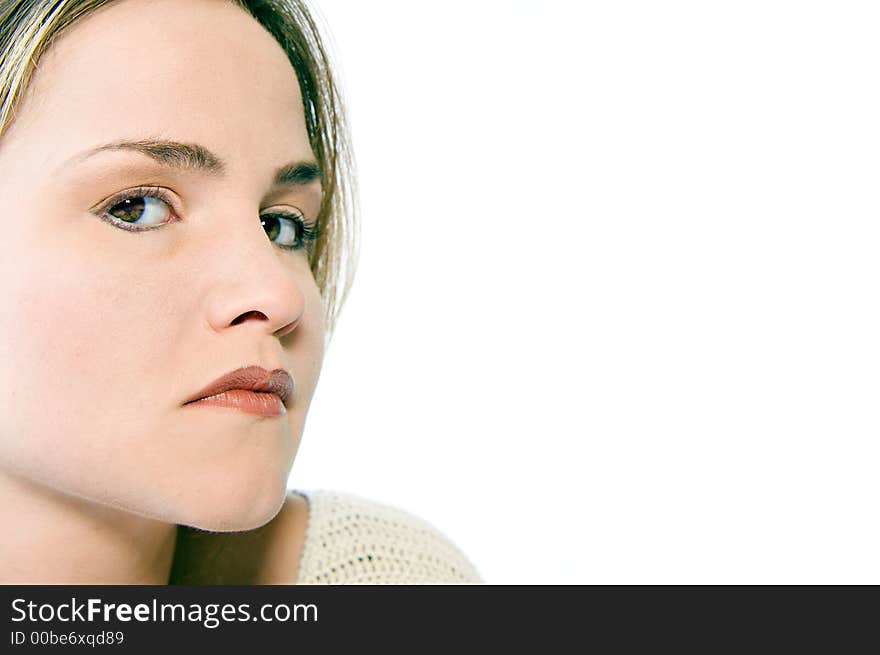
[(28, 28)]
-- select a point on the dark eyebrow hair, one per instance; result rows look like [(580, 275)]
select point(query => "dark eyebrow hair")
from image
[(193, 156), (298, 174), (169, 153)]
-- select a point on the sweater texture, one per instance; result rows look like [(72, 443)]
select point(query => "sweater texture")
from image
[(352, 540)]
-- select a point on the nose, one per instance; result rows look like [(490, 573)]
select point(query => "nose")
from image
[(255, 285)]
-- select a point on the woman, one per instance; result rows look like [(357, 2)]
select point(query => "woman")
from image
[(177, 221)]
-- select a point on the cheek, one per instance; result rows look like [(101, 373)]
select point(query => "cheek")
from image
[(76, 337), (315, 307), (315, 332), (304, 354)]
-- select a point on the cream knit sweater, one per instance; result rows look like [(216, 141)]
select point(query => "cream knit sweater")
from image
[(351, 540)]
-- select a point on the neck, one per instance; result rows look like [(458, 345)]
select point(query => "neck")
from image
[(62, 539)]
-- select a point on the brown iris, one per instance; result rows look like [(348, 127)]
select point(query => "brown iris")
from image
[(129, 210), (272, 225)]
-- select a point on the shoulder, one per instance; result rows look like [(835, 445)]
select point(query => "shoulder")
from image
[(352, 540)]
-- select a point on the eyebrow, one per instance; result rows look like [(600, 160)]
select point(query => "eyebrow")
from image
[(192, 156)]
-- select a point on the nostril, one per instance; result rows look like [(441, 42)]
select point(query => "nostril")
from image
[(248, 315)]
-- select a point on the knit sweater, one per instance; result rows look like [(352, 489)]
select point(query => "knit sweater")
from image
[(351, 540)]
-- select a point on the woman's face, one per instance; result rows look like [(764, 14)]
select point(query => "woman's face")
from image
[(105, 333)]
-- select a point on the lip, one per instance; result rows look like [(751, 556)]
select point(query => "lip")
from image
[(254, 379)]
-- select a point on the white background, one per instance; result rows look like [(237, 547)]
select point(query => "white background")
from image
[(616, 315)]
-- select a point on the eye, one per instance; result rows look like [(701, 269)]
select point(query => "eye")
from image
[(142, 210), (288, 230), (138, 209)]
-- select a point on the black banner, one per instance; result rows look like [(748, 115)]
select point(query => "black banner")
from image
[(543, 618)]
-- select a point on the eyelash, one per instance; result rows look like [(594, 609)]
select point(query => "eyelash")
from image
[(305, 234)]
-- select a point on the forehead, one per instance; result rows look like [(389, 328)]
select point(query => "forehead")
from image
[(192, 70)]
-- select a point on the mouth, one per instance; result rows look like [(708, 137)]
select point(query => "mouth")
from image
[(251, 389)]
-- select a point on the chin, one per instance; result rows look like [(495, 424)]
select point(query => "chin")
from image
[(237, 490), (236, 497), (233, 510)]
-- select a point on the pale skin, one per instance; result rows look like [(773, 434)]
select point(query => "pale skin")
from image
[(105, 333)]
